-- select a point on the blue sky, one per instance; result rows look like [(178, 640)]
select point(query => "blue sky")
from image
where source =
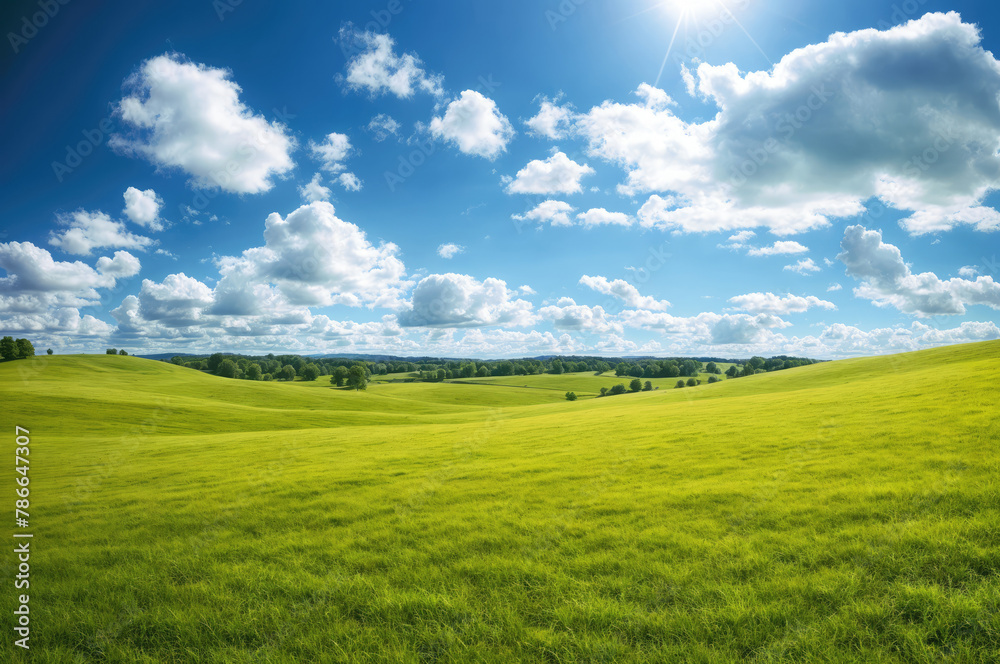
[(487, 180)]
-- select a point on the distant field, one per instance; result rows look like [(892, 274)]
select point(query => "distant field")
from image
[(847, 511), (582, 383)]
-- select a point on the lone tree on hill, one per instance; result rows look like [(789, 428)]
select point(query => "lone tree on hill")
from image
[(49, 351), (339, 376), (647, 387), (680, 383), (123, 352), (310, 372), (111, 351), (356, 378), (635, 385), (571, 396)]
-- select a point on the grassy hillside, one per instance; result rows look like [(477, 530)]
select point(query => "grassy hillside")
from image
[(846, 511)]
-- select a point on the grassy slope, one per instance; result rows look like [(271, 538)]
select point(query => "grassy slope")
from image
[(847, 511)]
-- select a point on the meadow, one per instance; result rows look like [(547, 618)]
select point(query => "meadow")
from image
[(840, 512)]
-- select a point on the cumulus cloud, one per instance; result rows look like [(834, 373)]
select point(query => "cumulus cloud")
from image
[(708, 328), (556, 175), (829, 128), (968, 271), (332, 151), (94, 230), (554, 212), (375, 68), (143, 208), (566, 314), (601, 217), (475, 125), (349, 181), (778, 248), (769, 303), (122, 265), (458, 300), (886, 279), (552, 121), (833, 288), (314, 190), (450, 250), (189, 116), (383, 126), (804, 266), (624, 291)]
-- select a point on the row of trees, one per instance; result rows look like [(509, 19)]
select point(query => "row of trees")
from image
[(290, 367), (16, 349), (115, 351)]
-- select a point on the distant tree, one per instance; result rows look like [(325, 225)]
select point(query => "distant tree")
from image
[(647, 387), (287, 372), (253, 371), (712, 379), (556, 367), (604, 391), (680, 383), (635, 385), (24, 348), (310, 372), (692, 382), (111, 351), (711, 368), (571, 396), (49, 351), (442, 374), (757, 362), (622, 369), (617, 389), (214, 360), (339, 376), (227, 369), (266, 377), (123, 352), (8, 349), (733, 371), (650, 371), (357, 377), (484, 371)]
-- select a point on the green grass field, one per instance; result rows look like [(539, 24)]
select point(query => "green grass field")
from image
[(840, 512)]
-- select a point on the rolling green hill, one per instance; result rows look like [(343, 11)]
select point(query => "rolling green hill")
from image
[(844, 511)]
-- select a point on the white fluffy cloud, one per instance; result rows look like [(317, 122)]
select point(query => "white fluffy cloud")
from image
[(624, 291), (332, 151), (601, 217), (450, 250), (708, 329), (769, 303), (778, 248), (886, 280), (122, 265), (314, 190), (475, 125), (554, 212), (189, 116), (805, 266), (566, 314), (143, 208), (458, 300), (828, 128), (556, 175), (375, 68), (552, 121), (94, 230), (349, 181)]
